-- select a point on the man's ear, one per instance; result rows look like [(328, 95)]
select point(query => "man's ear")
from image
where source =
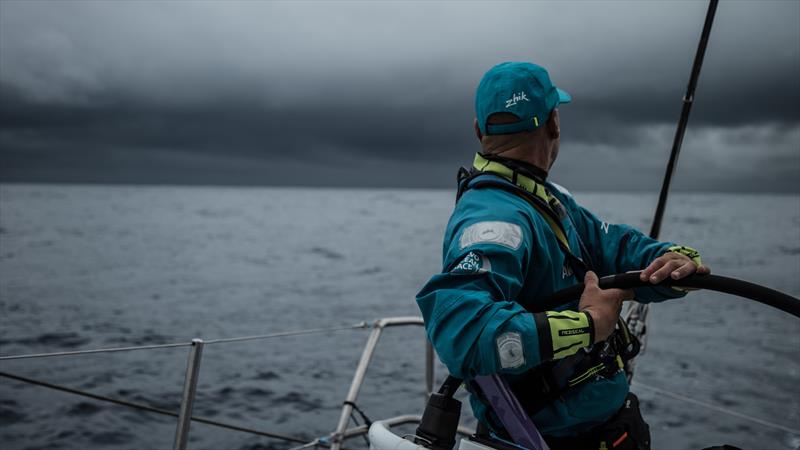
[(478, 131), (553, 126)]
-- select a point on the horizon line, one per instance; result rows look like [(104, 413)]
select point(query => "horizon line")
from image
[(365, 187)]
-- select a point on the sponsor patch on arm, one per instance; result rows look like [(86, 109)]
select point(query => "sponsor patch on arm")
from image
[(472, 263), (501, 233), (510, 350)]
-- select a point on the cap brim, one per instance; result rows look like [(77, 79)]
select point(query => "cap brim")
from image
[(563, 97)]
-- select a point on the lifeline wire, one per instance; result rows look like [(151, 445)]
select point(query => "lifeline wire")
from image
[(186, 344), (155, 410), (98, 350), (313, 443), (718, 409), (287, 333)]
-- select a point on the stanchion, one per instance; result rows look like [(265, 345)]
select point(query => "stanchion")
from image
[(189, 391)]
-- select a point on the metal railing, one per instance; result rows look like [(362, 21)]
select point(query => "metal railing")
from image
[(196, 346), (338, 435), (335, 439), (189, 393)]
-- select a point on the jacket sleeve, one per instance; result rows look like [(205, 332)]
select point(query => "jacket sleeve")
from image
[(618, 248), (470, 314)]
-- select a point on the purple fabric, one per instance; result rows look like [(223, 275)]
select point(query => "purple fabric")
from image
[(513, 418)]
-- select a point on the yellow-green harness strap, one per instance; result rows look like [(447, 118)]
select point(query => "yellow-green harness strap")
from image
[(528, 185)]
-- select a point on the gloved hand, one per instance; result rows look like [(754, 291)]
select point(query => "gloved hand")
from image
[(604, 305)]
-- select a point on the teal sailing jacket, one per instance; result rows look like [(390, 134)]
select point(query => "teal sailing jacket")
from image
[(501, 257)]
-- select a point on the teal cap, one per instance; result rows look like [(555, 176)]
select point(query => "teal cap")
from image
[(521, 88)]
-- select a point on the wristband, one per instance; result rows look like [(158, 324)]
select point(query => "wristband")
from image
[(563, 333), (691, 253)]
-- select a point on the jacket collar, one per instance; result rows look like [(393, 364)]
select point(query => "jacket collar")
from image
[(524, 168), (515, 172)]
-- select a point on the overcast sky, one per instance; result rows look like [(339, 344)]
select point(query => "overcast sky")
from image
[(381, 93)]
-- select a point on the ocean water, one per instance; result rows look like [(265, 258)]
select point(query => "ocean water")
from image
[(107, 266)]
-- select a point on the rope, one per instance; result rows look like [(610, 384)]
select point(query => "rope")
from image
[(719, 409), (355, 420), (186, 344), (360, 412), (155, 410)]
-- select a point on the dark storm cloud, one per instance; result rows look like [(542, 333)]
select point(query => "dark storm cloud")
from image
[(192, 92)]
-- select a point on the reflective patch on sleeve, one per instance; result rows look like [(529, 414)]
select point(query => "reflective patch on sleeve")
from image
[(509, 349), (472, 263), (501, 233)]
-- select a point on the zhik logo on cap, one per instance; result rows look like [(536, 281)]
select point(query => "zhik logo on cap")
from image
[(523, 89), (516, 98)]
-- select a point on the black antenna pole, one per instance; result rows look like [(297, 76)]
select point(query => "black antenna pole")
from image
[(687, 107)]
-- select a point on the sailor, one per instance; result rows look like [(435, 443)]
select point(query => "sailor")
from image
[(513, 239)]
